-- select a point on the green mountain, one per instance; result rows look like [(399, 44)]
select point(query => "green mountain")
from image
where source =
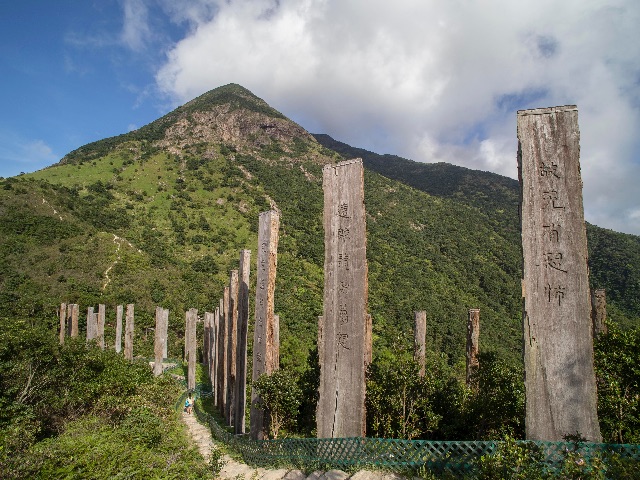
[(157, 216), (614, 258)]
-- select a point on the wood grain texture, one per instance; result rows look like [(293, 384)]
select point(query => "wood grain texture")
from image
[(558, 344), (343, 335)]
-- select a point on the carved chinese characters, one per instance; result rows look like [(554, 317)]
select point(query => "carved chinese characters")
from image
[(558, 350), (265, 347), (343, 334)]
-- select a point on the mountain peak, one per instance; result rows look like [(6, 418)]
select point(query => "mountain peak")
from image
[(229, 114)]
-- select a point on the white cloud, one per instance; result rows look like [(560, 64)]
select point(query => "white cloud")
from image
[(18, 154), (135, 31), (432, 81)]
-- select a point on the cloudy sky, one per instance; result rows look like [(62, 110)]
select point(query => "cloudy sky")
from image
[(427, 80)]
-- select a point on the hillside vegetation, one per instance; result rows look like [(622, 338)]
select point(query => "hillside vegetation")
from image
[(158, 216)]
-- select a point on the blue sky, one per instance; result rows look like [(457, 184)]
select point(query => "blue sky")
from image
[(424, 79)]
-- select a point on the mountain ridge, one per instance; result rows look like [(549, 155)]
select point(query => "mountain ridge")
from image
[(186, 190)]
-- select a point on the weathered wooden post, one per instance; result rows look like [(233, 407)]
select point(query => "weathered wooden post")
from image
[(420, 339), (223, 354), (69, 319), (213, 368), (63, 321), (232, 347), (599, 312), (119, 312), (128, 332), (75, 315), (158, 345), (92, 324), (165, 333), (100, 325), (264, 330), (558, 339), (191, 319), (473, 339), (241, 354), (341, 408), (275, 344), (206, 338)]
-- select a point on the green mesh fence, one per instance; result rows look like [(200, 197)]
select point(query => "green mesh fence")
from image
[(457, 458)]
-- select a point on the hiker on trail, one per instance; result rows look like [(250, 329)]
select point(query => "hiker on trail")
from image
[(188, 404)]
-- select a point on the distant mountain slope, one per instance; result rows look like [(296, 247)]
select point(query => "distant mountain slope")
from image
[(614, 258), (494, 194), (158, 216)]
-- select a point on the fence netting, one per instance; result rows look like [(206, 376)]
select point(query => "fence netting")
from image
[(456, 458)]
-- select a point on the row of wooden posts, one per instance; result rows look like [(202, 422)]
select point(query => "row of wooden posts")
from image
[(557, 322), (69, 315)]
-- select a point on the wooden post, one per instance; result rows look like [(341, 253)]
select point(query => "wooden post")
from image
[(191, 319), (75, 315), (341, 407), (165, 333), (206, 338), (473, 338), (91, 324), (232, 347), (63, 321), (241, 354), (213, 371), (560, 382), (275, 345), (420, 339), (224, 351), (128, 332), (100, 326), (69, 319), (119, 312), (599, 312), (158, 345), (264, 357)]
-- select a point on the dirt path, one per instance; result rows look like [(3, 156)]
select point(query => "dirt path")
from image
[(234, 470)]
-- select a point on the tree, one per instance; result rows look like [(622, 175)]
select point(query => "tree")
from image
[(280, 398), (398, 399), (617, 365)]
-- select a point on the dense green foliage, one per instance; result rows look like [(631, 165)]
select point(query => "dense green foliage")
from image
[(439, 405), (618, 375), (131, 219), (279, 398), (75, 411)]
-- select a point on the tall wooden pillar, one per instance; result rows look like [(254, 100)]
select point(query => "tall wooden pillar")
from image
[(341, 408), (119, 312), (158, 344), (420, 339), (100, 325), (191, 319), (75, 315), (264, 357), (213, 370), (241, 354), (165, 333), (63, 321), (599, 312), (224, 353), (128, 332), (473, 339), (92, 324), (232, 347), (558, 340), (206, 338)]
